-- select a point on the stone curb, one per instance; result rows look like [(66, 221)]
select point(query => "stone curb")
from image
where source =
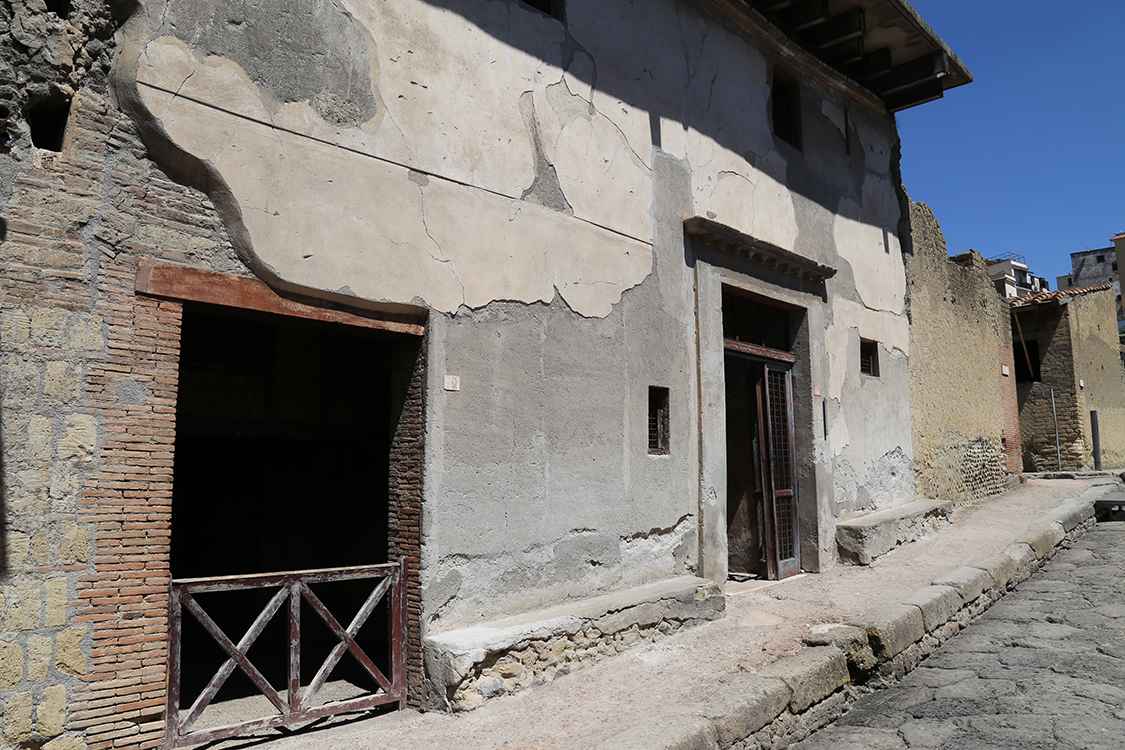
[(791, 698)]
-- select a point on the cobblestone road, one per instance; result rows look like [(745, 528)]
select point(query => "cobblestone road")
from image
[(1043, 669)]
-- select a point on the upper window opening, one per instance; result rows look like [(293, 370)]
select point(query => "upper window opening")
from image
[(46, 119), (553, 8), (1027, 361), (751, 322), (658, 443), (786, 108), (869, 357), (60, 8), (1100, 259)]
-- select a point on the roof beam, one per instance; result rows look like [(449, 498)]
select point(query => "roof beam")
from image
[(874, 64), (926, 91), (803, 15), (907, 75), (836, 30)]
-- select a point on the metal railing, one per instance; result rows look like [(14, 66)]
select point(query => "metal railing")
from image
[(297, 705)]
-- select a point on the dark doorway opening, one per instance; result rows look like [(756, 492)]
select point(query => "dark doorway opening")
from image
[(283, 462), (762, 519)]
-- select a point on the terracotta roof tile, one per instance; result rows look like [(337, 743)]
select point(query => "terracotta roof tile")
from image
[(1043, 298)]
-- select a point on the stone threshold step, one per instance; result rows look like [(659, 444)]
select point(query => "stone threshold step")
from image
[(863, 538)]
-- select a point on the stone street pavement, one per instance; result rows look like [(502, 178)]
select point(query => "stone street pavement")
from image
[(1042, 669)]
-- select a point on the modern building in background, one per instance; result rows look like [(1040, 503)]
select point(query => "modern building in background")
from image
[(1100, 266), (1012, 278)]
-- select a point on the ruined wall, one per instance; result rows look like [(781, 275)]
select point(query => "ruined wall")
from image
[(961, 401), (88, 379), (1049, 325), (1097, 365)]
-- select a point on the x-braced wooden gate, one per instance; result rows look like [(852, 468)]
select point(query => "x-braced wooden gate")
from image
[(297, 706)]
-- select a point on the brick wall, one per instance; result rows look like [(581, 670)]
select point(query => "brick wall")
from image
[(88, 380), (963, 409), (404, 528)]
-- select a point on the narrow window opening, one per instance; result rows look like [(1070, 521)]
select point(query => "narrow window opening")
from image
[(60, 8), (46, 119), (658, 443), (869, 357), (1100, 259), (1024, 372), (553, 8), (786, 108), (1115, 265)]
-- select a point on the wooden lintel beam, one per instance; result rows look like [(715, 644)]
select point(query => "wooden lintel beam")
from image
[(927, 91), (187, 284)]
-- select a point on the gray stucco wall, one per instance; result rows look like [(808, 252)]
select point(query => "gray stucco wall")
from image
[(527, 182)]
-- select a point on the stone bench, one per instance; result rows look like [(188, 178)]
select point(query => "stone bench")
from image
[(467, 666), (863, 538)]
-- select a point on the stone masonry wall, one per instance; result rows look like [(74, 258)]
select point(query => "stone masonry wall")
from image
[(88, 376), (962, 406), (1098, 367), (1049, 325)]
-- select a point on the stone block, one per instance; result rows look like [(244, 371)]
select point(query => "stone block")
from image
[(938, 604), (745, 704), (665, 733), (50, 717), (1071, 515), (39, 433), (69, 657), (87, 334), (40, 544), (74, 547), (851, 640), (16, 548), (62, 382), (48, 327), (11, 665), (1042, 536), (1023, 556), (813, 674), (1000, 568), (969, 582), (65, 743), (892, 628), (57, 598), (80, 439), (15, 327), (863, 538), (26, 606), (17, 719), (38, 658)]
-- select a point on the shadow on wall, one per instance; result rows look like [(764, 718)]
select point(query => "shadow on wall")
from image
[(3, 476)]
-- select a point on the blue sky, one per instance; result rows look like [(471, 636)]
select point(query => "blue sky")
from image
[(1030, 157)]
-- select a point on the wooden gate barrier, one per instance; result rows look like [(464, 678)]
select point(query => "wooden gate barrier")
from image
[(297, 705)]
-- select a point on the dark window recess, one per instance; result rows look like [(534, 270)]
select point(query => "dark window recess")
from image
[(60, 8), (751, 322), (1115, 265), (46, 119), (869, 357), (1099, 259), (658, 443), (1070, 282), (553, 8), (1024, 374), (786, 108)]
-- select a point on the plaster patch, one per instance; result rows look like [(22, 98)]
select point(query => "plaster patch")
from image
[(875, 257)]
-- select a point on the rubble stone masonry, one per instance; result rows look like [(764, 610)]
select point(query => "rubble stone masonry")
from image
[(963, 407)]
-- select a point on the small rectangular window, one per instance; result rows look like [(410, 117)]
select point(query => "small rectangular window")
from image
[(1100, 259), (786, 108), (553, 8), (658, 444), (1114, 265), (869, 357)]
